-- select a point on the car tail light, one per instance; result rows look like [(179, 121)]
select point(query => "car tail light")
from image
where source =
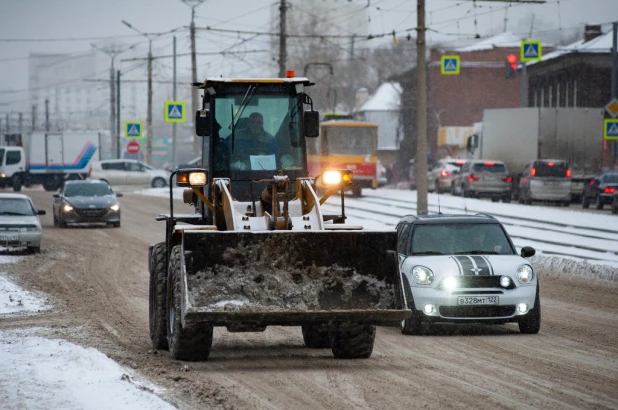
[(460, 162), (591, 182), (473, 177), (550, 164), (533, 172), (489, 164), (508, 178), (609, 190), (444, 173), (568, 173)]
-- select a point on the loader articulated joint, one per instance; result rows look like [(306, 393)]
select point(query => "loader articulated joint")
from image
[(275, 199)]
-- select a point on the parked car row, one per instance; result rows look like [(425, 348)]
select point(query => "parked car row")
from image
[(546, 180)]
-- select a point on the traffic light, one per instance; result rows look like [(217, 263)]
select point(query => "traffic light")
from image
[(511, 66)]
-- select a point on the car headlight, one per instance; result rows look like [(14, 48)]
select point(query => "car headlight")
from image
[(67, 208), (114, 207), (422, 275), (32, 228), (525, 274), (450, 283)]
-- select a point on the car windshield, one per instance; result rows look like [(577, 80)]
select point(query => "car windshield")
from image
[(460, 239), (16, 206), (87, 190)]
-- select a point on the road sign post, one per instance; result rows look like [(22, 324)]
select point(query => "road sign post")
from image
[(133, 130), (175, 111), (450, 65), (133, 147), (610, 129), (531, 50)]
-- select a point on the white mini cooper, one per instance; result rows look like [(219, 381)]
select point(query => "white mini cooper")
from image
[(463, 268)]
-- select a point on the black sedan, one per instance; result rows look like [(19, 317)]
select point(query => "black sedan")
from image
[(600, 190), (87, 201)]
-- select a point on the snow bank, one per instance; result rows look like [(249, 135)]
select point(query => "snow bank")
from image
[(567, 268), (40, 373)]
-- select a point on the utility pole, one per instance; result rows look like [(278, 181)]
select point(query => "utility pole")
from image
[(46, 115), (420, 162), (149, 129), (20, 123), (118, 144), (194, 92), (33, 117), (614, 149), (282, 39), (352, 96), (173, 162)]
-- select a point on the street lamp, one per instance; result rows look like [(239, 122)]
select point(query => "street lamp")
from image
[(149, 108)]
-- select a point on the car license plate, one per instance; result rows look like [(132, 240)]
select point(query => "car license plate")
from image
[(8, 237), (478, 300)]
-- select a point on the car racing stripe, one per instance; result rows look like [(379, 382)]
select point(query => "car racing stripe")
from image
[(467, 265), (482, 265), (458, 265), (491, 267)]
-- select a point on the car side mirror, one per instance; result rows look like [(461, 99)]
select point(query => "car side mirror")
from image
[(527, 251), (203, 125), (119, 194), (312, 124), (40, 212), (56, 195)]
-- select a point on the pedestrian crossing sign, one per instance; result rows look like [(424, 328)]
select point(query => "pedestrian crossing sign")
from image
[(610, 129), (175, 111), (530, 50), (449, 65), (133, 130)]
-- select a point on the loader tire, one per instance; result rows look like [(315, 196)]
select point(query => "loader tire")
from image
[(158, 291), (315, 339), (191, 343), (353, 344)]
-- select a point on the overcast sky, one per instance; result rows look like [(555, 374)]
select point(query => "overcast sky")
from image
[(51, 22)]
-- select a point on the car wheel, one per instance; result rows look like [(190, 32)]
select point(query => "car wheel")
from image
[(17, 182), (566, 203), (495, 199), (56, 223), (412, 325), (615, 209), (117, 224), (34, 249), (158, 183), (531, 322), (585, 202), (599, 202), (506, 198), (62, 223)]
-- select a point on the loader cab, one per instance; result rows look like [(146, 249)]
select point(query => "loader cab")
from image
[(253, 129)]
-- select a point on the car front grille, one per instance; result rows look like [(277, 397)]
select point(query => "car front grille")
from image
[(476, 282), (477, 311), (90, 213)]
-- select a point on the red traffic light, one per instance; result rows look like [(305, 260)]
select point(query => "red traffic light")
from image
[(512, 58)]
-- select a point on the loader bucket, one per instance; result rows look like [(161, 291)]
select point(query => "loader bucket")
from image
[(292, 278)]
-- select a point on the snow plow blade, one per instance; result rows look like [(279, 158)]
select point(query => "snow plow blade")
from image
[(255, 279)]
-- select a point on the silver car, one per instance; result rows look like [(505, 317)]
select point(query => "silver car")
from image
[(483, 178), (465, 269), (442, 173), (20, 226), (545, 180)]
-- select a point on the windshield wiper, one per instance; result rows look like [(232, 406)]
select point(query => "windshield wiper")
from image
[(241, 108), (12, 213)]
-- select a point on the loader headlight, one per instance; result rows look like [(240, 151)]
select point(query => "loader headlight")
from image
[(115, 207), (192, 177), (525, 274), (422, 275), (67, 208), (337, 177)]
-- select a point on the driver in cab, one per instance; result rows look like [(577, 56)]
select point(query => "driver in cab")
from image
[(255, 148)]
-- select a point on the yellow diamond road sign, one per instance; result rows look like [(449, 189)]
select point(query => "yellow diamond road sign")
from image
[(612, 108), (175, 111)]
